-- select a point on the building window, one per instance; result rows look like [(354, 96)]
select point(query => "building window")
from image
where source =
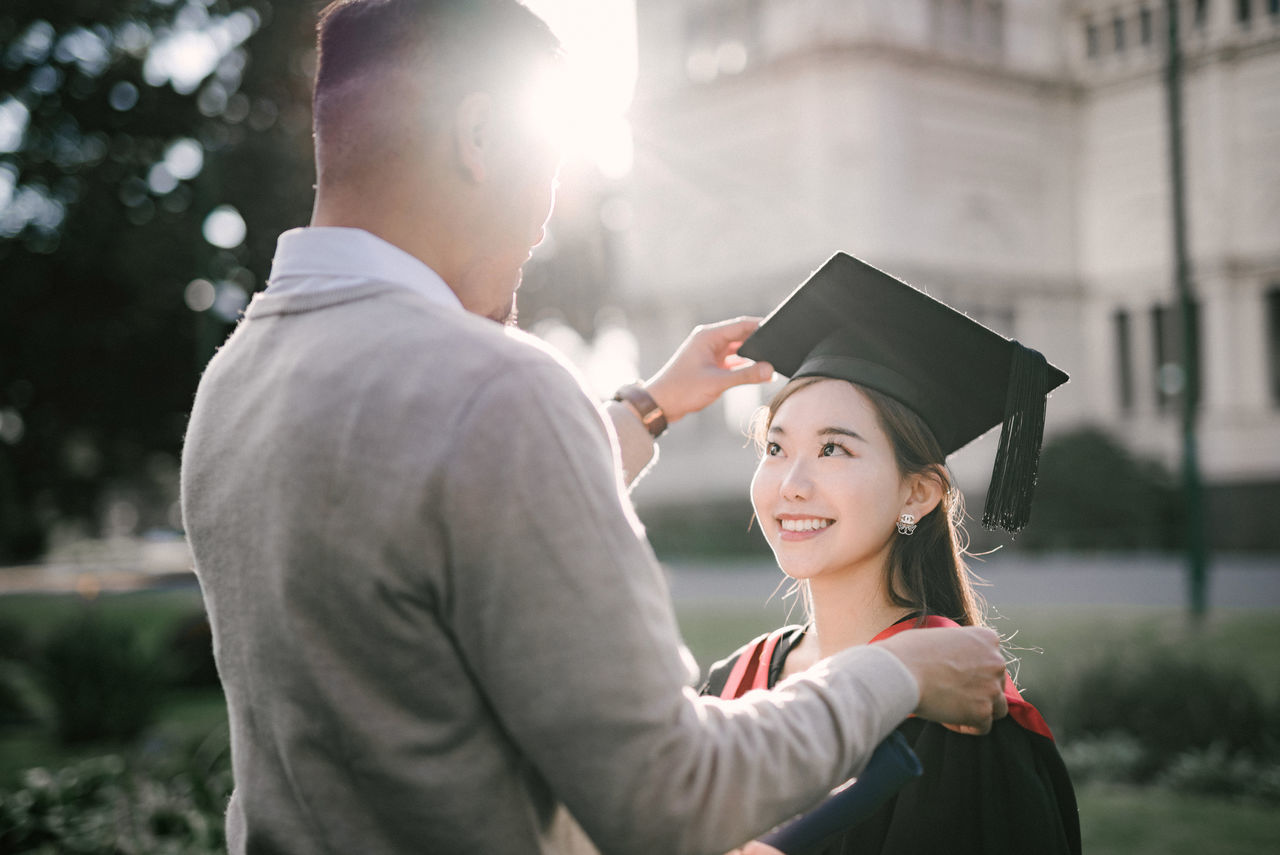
[(1171, 381), (1117, 28), (1124, 360), (1092, 42), (1201, 12), (972, 27), (1273, 342), (1145, 28), (1273, 8), (1244, 12)]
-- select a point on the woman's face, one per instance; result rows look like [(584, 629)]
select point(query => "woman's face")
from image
[(828, 491)]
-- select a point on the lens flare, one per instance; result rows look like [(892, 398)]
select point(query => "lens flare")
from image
[(582, 105)]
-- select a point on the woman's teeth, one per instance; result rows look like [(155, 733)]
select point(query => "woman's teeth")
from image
[(804, 525)]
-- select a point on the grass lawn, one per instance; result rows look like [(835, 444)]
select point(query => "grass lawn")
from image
[(1121, 821)]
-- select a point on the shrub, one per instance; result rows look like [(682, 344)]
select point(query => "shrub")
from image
[(1092, 493), (191, 653), (1214, 771), (1113, 758), (1168, 706), (100, 680), (14, 709), (169, 802), (14, 644)]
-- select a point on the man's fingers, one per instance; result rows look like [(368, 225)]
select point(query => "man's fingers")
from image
[(751, 372), (1001, 705), (725, 332)]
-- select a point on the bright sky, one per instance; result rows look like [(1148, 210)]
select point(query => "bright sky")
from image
[(599, 37)]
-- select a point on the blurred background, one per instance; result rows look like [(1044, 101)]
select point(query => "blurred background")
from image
[(1051, 167)]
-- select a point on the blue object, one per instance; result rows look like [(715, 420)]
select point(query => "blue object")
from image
[(891, 766)]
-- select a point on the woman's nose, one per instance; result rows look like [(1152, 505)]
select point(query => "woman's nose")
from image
[(796, 484)]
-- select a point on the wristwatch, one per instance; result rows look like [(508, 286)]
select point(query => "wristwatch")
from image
[(642, 404)]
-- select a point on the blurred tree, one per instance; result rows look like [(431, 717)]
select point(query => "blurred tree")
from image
[(1094, 494), (150, 152)]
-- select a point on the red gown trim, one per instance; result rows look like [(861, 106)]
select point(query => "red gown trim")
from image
[(751, 671), (1020, 710)]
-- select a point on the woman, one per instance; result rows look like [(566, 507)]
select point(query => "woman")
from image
[(853, 495)]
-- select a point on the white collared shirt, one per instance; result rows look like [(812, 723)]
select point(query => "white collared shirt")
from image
[(325, 258)]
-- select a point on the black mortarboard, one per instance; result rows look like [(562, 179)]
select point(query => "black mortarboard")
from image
[(853, 322)]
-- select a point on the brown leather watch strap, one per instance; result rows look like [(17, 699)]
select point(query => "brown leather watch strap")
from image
[(641, 402)]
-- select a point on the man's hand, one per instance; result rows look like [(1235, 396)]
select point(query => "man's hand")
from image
[(704, 366), (960, 672), (755, 847)]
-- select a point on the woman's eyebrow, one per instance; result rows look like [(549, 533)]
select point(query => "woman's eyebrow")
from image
[(839, 431)]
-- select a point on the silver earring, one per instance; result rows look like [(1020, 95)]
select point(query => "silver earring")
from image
[(907, 525)]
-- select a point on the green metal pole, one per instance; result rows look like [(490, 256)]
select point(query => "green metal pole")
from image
[(1197, 558)]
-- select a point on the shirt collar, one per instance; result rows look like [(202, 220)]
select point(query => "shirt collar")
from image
[(323, 258)]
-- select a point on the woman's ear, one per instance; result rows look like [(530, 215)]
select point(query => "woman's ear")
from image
[(472, 135), (925, 491)]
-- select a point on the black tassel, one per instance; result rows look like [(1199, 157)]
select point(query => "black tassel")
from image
[(1013, 482)]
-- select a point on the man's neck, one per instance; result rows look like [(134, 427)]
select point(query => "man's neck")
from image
[(402, 228)]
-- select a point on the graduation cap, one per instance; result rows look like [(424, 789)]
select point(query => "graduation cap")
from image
[(853, 322)]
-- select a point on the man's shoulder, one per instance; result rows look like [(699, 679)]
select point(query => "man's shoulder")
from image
[(409, 332), (492, 366)]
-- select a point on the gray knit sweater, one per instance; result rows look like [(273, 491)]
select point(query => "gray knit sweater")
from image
[(437, 622)]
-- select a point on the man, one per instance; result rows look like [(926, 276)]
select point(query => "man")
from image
[(437, 624)]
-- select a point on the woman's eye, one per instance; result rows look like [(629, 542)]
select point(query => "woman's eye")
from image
[(772, 449), (831, 449)]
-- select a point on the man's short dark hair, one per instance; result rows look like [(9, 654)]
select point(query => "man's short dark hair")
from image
[(456, 46)]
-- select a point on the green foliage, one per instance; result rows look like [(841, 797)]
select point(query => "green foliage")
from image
[(1215, 771), (14, 709), (101, 681), (170, 801), (14, 644), (190, 652), (1168, 705), (1094, 494), (1115, 758), (101, 232)]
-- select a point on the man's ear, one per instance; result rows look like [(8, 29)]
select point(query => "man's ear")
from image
[(925, 493), (473, 133)]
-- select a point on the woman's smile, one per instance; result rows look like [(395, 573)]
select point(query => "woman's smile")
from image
[(796, 527)]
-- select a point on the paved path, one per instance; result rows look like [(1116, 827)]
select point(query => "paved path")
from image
[(1143, 580)]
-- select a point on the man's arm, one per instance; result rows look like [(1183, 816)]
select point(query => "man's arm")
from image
[(566, 622)]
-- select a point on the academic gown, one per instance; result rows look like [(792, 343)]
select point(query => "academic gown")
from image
[(1004, 793)]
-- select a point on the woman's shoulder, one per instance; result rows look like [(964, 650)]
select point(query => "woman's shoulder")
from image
[(719, 672)]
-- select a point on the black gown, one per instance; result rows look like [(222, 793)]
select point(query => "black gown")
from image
[(1005, 793)]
